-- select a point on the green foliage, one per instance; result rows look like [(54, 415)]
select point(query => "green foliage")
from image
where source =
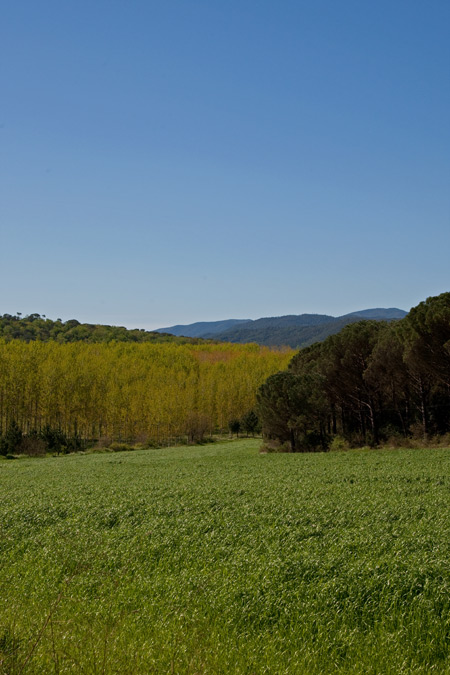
[(234, 426), (280, 401), (426, 333), (120, 447), (338, 444), (216, 559), (371, 382), (79, 393), (34, 327), (12, 439), (288, 406), (250, 422), (33, 446), (55, 439), (274, 445)]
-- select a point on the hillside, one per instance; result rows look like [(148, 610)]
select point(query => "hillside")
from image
[(36, 327), (291, 330), (202, 328)]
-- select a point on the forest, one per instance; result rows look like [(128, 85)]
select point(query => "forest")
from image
[(61, 397), (372, 382), (37, 327)]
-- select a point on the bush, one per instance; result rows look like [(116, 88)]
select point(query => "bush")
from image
[(339, 444), (33, 446), (398, 441), (250, 423), (120, 447), (54, 439), (275, 446), (444, 440), (417, 432), (151, 444), (103, 442), (74, 444), (12, 439), (313, 441), (234, 427)]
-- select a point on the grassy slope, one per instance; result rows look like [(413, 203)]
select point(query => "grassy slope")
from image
[(220, 560)]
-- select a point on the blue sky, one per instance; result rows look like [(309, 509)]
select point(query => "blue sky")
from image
[(176, 161)]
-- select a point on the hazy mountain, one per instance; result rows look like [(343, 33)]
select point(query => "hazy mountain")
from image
[(292, 330), (379, 313), (202, 328)]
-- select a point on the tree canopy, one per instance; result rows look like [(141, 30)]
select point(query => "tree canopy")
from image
[(36, 327), (371, 381), (139, 392)]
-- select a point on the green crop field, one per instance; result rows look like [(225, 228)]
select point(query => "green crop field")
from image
[(218, 559)]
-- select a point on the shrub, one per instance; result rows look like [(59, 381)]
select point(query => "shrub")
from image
[(398, 441), (339, 444), (54, 439), (74, 444), (234, 426), (104, 442), (271, 446), (445, 440), (33, 446), (12, 439), (120, 447), (151, 444)]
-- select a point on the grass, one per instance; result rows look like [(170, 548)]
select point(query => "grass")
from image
[(217, 559)]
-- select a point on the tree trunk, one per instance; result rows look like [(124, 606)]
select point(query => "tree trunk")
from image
[(424, 411), (293, 445)]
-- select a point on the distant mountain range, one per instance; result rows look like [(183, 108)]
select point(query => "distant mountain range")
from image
[(202, 328), (292, 330)]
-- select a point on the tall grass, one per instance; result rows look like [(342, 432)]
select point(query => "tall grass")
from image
[(217, 559)]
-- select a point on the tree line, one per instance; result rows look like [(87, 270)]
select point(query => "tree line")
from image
[(371, 382), (65, 395), (36, 327)]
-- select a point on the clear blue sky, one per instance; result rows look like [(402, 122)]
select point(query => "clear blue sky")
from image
[(173, 161)]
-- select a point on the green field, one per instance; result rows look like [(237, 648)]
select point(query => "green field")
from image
[(218, 559)]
